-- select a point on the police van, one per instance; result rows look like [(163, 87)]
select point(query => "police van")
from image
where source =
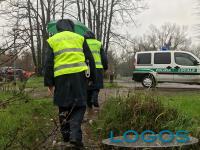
[(152, 67)]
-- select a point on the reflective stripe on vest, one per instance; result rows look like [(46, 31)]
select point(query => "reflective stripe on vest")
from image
[(68, 50), (69, 66), (95, 47), (68, 53)]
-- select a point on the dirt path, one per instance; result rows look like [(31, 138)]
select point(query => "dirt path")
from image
[(126, 87), (87, 130), (55, 141), (89, 140)]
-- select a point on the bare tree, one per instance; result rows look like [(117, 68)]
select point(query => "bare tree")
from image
[(197, 26), (168, 34), (33, 19), (101, 16)]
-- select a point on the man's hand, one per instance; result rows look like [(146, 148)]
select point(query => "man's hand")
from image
[(51, 90)]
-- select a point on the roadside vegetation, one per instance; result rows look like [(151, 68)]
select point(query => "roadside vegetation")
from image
[(35, 82), (187, 102), (25, 121), (111, 85), (28, 118), (149, 111)]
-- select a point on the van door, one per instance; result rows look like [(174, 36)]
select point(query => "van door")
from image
[(186, 68), (163, 66)]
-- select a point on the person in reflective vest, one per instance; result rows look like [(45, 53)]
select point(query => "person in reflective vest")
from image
[(101, 64), (65, 77)]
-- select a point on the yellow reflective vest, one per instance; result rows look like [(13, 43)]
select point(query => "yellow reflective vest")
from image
[(68, 53), (95, 47)]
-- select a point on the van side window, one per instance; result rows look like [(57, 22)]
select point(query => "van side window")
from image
[(162, 58), (184, 59), (144, 58)]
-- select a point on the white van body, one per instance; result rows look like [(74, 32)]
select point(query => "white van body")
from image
[(152, 67)]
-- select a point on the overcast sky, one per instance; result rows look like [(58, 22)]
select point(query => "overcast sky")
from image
[(181, 12)]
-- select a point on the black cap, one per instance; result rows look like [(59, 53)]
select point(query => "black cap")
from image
[(65, 25)]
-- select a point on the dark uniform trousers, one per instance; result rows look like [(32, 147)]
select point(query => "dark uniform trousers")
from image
[(70, 90), (70, 121), (92, 97), (93, 90)]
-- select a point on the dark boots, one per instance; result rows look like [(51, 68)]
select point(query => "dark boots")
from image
[(92, 99), (70, 122)]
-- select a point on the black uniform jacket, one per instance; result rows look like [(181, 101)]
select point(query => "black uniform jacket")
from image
[(99, 72), (70, 89)]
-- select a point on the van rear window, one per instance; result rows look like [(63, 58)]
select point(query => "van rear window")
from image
[(144, 58), (162, 58)]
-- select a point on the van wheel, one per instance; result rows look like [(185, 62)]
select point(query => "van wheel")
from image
[(148, 81)]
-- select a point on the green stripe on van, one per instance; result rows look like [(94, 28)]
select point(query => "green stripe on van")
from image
[(143, 70), (173, 70)]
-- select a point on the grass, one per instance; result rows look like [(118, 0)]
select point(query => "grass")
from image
[(25, 122), (111, 85), (143, 111), (5, 95), (187, 102), (35, 82)]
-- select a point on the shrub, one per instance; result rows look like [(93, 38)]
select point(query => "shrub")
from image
[(140, 111)]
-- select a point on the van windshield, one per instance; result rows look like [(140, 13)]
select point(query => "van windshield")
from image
[(184, 59)]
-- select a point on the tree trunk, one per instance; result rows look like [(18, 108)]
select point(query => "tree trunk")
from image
[(105, 24), (39, 58), (79, 10), (31, 33), (94, 18), (44, 33), (63, 8), (102, 21), (89, 15), (109, 26), (83, 12), (98, 25), (54, 9)]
